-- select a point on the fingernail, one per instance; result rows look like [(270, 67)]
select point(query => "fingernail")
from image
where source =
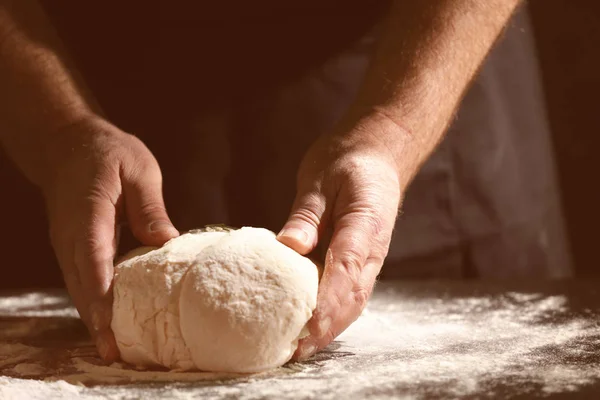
[(102, 347), (296, 234), (306, 351), (157, 226), (324, 326)]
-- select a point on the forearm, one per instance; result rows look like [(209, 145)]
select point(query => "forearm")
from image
[(428, 53), (41, 93)]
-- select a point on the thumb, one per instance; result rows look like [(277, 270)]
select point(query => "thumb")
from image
[(301, 231), (145, 207)]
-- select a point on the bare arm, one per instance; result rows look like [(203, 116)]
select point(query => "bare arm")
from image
[(427, 56), (41, 91)]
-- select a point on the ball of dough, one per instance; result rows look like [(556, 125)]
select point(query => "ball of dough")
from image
[(230, 301)]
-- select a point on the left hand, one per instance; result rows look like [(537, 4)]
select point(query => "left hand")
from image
[(348, 184)]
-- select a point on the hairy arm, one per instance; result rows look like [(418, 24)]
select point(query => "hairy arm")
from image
[(428, 54), (41, 91)]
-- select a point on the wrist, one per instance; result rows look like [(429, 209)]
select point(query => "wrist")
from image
[(376, 131)]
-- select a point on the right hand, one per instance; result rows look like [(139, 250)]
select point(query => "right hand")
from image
[(100, 176)]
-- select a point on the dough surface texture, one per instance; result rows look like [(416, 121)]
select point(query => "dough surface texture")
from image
[(224, 300)]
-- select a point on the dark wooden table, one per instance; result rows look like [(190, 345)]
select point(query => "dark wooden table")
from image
[(415, 340)]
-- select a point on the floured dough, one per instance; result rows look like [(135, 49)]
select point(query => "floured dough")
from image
[(229, 301)]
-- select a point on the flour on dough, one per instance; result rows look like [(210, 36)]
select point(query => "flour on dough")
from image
[(224, 301)]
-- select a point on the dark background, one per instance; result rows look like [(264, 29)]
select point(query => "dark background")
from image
[(568, 35)]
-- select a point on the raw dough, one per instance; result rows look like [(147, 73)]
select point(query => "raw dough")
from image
[(220, 300)]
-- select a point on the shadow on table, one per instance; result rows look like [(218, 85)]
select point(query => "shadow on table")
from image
[(44, 332)]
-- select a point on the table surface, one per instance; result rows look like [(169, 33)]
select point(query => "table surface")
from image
[(415, 340)]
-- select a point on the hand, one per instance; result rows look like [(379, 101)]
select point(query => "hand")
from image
[(348, 184), (102, 175)]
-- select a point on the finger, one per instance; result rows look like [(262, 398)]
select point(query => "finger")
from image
[(301, 231), (358, 247), (146, 212), (62, 233), (340, 298), (94, 251), (103, 339), (64, 253), (311, 344)]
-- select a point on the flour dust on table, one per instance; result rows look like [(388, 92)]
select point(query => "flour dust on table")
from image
[(414, 340)]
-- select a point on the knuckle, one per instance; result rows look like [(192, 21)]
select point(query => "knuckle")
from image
[(378, 257), (373, 222), (352, 263), (337, 301), (98, 193), (310, 205), (307, 215), (140, 164), (105, 166), (375, 227), (329, 337), (361, 297), (92, 250), (145, 165), (365, 217), (103, 186), (151, 209)]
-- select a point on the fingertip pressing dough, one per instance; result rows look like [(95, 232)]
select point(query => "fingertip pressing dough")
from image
[(215, 300)]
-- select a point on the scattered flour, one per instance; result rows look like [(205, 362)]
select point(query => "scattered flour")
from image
[(408, 344), (37, 304), (20, 389)]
